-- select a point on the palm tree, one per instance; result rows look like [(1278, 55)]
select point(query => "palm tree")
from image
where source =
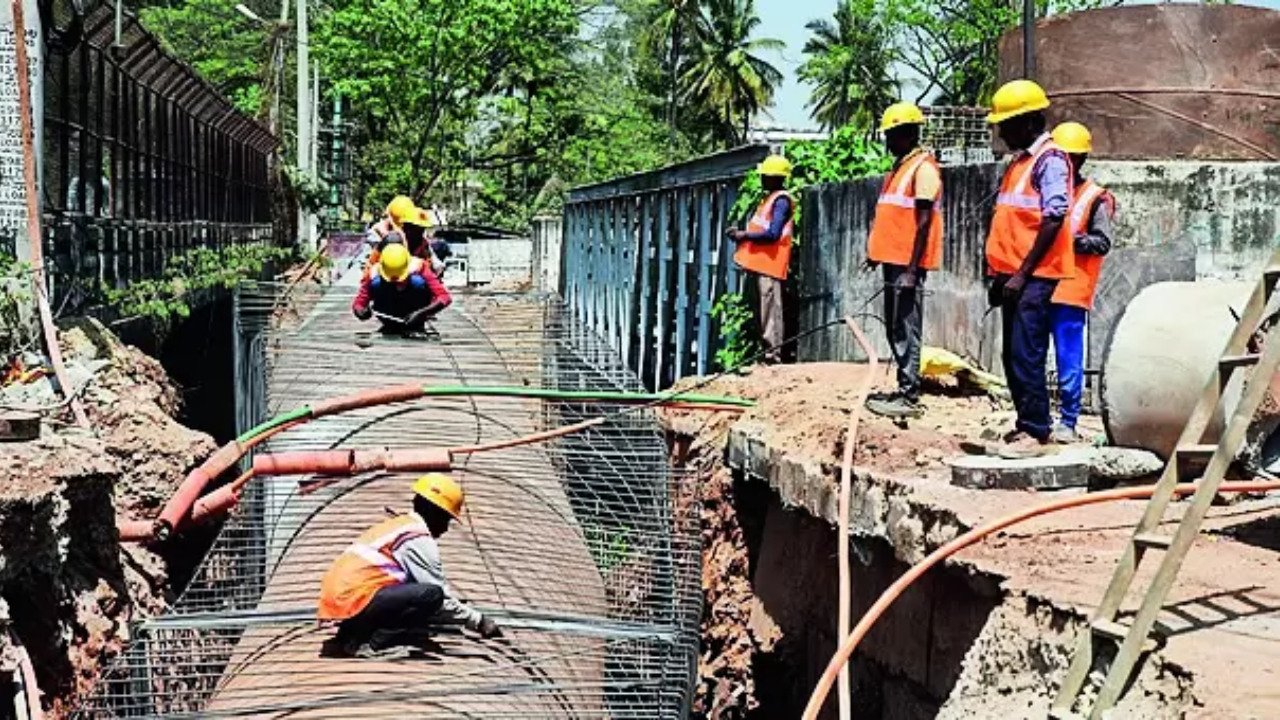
[(675, 22), (848, 66), (725, 73)]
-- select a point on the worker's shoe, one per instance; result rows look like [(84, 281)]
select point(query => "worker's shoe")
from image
[(899, 406), (1064, 435), (1018, 445)]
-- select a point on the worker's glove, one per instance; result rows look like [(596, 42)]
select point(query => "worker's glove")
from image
[(362, 313), (488, 629)]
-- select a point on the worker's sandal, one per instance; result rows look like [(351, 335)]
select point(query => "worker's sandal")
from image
[(394, 652)]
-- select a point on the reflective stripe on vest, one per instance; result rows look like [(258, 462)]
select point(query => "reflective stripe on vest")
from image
[(365, 567), (893, 232), (773, 258), (1079, 289), (1017, 221)]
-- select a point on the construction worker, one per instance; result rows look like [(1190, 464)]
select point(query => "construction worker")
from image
[(764, 248), (906, 241), (1029, 250), (400, 208), (1092, 212), (415, 234), (402, 290), (389, 584)]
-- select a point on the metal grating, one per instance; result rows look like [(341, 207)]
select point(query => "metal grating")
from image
[(586, 548)]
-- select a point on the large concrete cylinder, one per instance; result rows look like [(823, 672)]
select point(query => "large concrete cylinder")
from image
[(1161, 354)]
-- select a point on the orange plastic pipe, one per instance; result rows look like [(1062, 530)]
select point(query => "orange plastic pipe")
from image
[(846, 480), (891, 594)]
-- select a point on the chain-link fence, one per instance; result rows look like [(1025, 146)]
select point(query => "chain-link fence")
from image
[(142, 159)]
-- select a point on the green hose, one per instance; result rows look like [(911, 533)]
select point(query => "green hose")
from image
[(581, 395), (500, 391), (274, 422)]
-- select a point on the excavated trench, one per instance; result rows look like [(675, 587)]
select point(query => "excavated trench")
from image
[(770, 609)]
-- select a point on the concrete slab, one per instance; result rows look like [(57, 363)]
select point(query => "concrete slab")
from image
[(1048, 472)]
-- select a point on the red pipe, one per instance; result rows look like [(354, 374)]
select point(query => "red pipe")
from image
[(29, 685), (215, 504), (352, 462), (366, 398), (193, 487)]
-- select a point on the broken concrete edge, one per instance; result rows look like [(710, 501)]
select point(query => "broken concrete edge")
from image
[(883, 508)]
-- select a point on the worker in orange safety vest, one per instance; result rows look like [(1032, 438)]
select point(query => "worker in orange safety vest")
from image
[(906, 241), (388, 586), (1029, 251), (1090, 220), (764, 249)]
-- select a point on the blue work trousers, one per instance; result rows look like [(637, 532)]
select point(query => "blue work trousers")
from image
[(1025, 353), (1068, 349)]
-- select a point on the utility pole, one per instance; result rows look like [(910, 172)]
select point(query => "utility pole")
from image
[(305, 140)]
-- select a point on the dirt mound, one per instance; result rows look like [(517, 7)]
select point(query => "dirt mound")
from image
[(68, 588)]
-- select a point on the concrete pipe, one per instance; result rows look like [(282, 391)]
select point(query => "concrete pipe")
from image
[(1162, 351)]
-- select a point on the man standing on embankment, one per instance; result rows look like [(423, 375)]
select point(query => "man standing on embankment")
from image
[(1029, 250), (906, 240), (765, 249)]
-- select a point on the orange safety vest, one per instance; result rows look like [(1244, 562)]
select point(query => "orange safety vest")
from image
[(1017, 221), (893, 232), (1078, 290), (366, 567), (773, 258)]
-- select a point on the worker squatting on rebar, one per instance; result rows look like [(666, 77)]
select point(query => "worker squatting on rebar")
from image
[(401, 290), (388, 586)]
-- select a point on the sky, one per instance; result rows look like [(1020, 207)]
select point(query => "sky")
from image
[(785, 20)]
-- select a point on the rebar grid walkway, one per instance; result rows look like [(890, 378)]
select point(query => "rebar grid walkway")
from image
[(585, 548)]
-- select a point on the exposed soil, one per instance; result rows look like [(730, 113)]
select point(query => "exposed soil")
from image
[(69, 589), (806, 407), (1222, 612)]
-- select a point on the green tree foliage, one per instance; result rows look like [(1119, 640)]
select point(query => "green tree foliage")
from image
[(849, 66), (849, 154), (432, 79), (726, 74), (226, 48), (954, 44)]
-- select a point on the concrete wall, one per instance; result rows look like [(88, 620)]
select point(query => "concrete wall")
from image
[(493, 260), (1230, 211)]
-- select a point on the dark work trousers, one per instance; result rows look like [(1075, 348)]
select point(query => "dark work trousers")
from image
[(1027, 328), (904, 323), (394, 610)]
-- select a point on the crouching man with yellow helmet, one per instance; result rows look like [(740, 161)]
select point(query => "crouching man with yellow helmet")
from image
[(389, 584), (402, 289)]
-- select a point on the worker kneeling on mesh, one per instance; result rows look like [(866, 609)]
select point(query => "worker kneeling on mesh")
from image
[(402, 290), (389, 585)]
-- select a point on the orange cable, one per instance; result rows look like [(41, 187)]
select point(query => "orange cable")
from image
[(887, 598), (846, 473)]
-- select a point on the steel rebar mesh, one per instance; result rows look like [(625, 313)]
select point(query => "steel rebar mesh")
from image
[(585, 548)]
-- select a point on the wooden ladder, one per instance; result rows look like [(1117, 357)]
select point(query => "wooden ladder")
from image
[(1134, 639)]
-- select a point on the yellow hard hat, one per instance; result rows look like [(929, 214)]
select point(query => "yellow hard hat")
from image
[(775, 165), (393, 264), (1015, 98), (441, 491), (400, 208), (903, 113), (1073, 138), (419, 217)]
